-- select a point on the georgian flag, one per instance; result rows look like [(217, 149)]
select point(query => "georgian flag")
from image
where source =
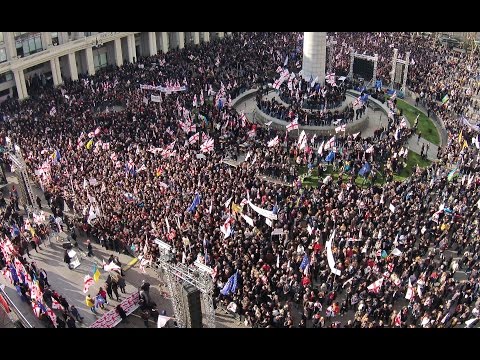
[(403, 123), (87, 282), (320, 149), (375, 286), (293, 125), (251, 133), (53, 111), (330, 78), (195, 100), (329, 144), (201, 98), (194, 138), (244, 119), (369, 150), (207, 146), (355, 135), (301, 138), (358, 103), (409, 293), (226, 228), (340, 128), (273, 142)]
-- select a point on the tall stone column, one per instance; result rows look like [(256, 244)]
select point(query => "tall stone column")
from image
[(53, 67), (152, 43), (196, 38), (72, 63), (164, 42), (10, 42), (229, 34), (206, 36), (314, 55), (24, 84), (221, 35), (46, 40), (181, 40), (118, 52), (90, 64), (132, 53), (59, 70), (20, 84)]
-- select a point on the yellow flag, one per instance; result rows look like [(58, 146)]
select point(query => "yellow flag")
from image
[(465, 144), (32, 231), (236, 208), (460, 137), (89, 144), (96, 275)]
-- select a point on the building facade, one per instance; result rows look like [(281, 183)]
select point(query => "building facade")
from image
[(58, 56)]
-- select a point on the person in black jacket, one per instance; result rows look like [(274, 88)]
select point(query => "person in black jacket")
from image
[(66, 259), (122, 313), (89, 248)]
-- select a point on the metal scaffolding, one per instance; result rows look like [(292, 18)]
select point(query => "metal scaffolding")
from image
[(178, 274), (373, 58), (26, 193), (395, 61)]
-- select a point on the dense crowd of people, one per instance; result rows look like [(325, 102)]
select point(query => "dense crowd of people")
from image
[(129, 167)]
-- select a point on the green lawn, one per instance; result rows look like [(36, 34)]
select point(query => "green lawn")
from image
[(412, 160), (425, 124)]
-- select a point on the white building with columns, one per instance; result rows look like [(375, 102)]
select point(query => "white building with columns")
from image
[(58, 56)]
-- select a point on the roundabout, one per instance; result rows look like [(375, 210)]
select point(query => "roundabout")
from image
[(191, 174)]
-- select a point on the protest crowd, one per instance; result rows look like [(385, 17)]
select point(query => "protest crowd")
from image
[(137, 164)]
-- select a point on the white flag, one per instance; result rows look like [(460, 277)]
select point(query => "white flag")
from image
[(168, 224), (248, 219)]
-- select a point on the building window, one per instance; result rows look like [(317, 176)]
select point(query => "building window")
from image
[(3, 55), (1, 37), (54, 38), (100, 60), (28, 45), (6, 77)]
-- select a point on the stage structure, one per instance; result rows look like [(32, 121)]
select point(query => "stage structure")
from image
[(178, 275), (331, 58), (399, 71), (314, 56), (364, 66), (26, 193)]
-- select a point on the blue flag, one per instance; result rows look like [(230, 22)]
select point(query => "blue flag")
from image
[(230, 285), (195, 203), (234, 284), (15, 231), (366, 168), (378, 84), (14, 273), (330, 156), (41, 306), (305, 262)]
